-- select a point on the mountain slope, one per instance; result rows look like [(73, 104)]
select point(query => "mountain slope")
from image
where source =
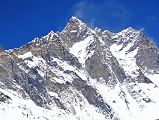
[(81, 73)]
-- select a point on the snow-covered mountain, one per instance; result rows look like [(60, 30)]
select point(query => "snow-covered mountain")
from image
[(81, 74)]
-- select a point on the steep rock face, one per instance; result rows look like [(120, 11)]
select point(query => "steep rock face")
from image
[(75, 31), (81, 73)]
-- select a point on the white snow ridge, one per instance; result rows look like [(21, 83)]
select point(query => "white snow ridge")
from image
[(81, 74)]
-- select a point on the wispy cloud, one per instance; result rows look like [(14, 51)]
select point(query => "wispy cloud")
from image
[(152, 19), (79, 9), (109, 14)]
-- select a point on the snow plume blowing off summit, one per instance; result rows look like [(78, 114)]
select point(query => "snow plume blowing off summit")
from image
[(81, 74)]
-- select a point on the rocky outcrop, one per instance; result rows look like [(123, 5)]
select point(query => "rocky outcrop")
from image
[(81, 70)]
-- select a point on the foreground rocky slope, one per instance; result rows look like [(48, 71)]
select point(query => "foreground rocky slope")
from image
[(81, 74)]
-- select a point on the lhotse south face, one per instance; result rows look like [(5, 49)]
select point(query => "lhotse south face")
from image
[(81, 74)]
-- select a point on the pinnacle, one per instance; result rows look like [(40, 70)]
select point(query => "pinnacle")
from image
[(74, 21), (74, 18)]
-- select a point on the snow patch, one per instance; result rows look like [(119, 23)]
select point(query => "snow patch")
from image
[(154, 78), (126, 59), (79, 49), (26, 55)]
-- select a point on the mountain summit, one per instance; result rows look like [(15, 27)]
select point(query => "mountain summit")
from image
[(81, 74)]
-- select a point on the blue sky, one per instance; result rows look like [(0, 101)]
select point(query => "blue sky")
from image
[(23, 20)]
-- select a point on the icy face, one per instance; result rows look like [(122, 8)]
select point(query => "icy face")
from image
[(125, 58), (81, 49), (81, 74)]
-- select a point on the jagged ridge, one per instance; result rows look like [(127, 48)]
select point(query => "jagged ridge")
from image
[(81, 73)]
